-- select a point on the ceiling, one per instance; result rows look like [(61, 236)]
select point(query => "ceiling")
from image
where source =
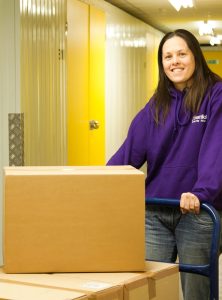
[(161, 15)]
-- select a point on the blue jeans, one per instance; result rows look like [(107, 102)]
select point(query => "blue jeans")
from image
[(170, 234)]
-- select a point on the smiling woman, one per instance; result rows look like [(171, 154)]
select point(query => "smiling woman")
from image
[(178, 62), (178, 133)]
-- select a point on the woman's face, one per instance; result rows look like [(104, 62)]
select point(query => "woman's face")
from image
[(178, 62)]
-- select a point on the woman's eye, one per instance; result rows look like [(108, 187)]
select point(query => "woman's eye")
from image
[(167, 57), (182, 54)]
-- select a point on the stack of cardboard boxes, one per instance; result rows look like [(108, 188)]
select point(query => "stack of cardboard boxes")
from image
[(84, 226)]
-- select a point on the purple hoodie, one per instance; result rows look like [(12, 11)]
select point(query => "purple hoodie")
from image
[(184, 154)]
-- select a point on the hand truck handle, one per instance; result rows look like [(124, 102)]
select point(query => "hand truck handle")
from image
[(212, 269)]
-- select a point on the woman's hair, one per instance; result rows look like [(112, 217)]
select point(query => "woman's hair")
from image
[(202, 77)]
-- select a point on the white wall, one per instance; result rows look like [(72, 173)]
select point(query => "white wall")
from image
[(128, 74), (9, 81)]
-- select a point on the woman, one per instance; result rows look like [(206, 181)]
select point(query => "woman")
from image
[(179, 134)]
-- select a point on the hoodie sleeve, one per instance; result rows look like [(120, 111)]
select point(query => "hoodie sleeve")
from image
[(133, 150), (209, 179)]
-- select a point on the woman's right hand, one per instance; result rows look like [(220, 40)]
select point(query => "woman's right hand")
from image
[(189, 203)]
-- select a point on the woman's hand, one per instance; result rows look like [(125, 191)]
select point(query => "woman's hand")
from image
[(189, 203)]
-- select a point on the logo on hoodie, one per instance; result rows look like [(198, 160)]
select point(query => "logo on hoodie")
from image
[(199, 119)]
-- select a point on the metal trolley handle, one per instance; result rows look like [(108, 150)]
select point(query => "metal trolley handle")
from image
[(210, 270)]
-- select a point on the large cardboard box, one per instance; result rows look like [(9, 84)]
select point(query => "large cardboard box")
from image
[(73, 219), (160, 281)]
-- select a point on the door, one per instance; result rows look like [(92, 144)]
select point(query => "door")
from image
[(97, 86), (85, 78)]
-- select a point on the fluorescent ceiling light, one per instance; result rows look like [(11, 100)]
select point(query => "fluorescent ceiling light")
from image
[(214, 40), (186, 3), (205, 28), (177, 4)]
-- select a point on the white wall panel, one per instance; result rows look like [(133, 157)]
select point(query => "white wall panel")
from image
[(130, 73), (9, 81), (43, 84)]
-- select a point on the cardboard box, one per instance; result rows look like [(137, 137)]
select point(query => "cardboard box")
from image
[(163, 280), (9, 291), (160, 281), (94, 289), (135, 285), (73, 219)]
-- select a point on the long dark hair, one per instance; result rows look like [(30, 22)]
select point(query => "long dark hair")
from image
[(203, 77)]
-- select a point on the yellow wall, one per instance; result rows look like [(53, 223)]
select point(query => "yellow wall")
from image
[(96, 109), (214, 60), (86, 83), (77, 82)]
